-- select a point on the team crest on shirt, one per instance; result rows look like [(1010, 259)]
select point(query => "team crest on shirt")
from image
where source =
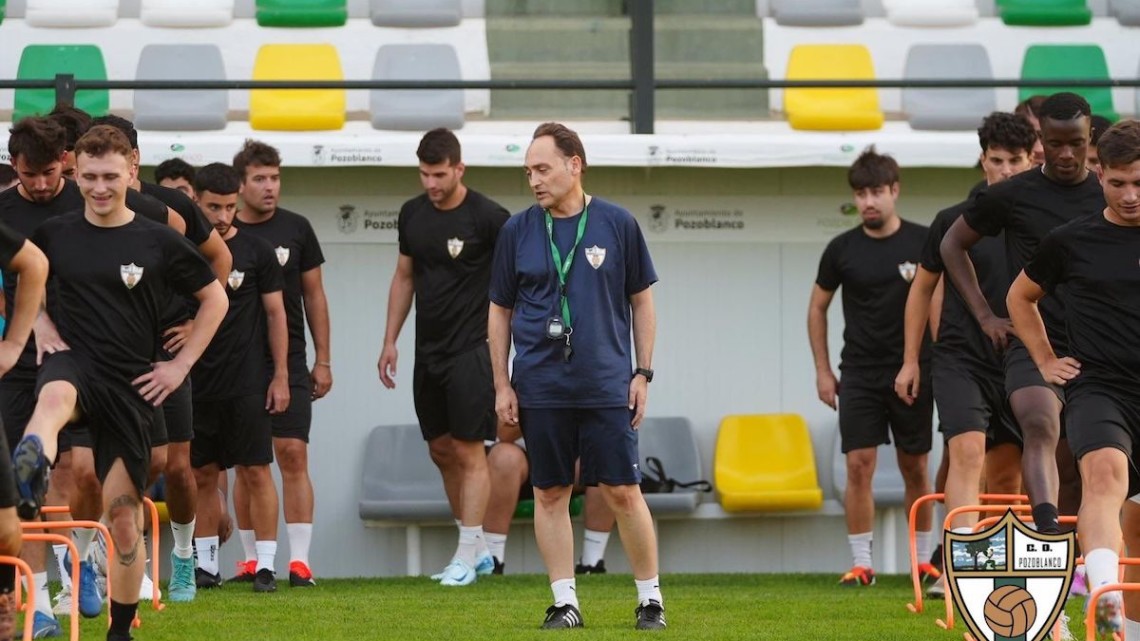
[(235, 280), (908, 270), (282, 255), (596, 256), (454, 247), (131, 275)]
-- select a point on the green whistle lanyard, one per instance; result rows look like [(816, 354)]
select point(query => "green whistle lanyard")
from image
[(562, 267)]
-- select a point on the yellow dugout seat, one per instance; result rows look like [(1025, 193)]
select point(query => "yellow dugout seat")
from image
[(765, 462), (832, 109), (297, 109)]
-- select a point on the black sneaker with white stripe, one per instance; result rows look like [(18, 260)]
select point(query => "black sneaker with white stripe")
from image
[(564, 616), (650, 616)]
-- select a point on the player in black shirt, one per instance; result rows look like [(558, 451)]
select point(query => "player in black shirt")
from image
[(966, 370), (1094, 259), (299, 254), (1026, 208), (874, 263), (176, 173), (232, 404), (447, 241), (111, 274)]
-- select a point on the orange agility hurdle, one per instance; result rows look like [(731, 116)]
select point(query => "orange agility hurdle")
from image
[(61, 525), (23, 568), (912, 521), (1090, 615), (46, 537)]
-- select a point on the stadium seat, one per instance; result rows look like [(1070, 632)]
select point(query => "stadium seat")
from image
[(831, 109), (931, 13), (400, 482), (416, 13), (40, 62), (672, 441), (765, 462), (297, 109), (182, 110), (416, 109), (302, 13), (3, 9), (1126, 12), (1044, 13), (947, 109), (71, 13), (1069, 61), (817, 13), (183, 14)]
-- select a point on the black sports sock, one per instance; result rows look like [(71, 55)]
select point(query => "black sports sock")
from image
[(7, 578), (122, 615), (1046, 519)]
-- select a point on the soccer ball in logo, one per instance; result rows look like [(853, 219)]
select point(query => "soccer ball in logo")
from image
[(346, 219)]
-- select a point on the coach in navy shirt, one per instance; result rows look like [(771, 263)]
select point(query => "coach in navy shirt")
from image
[(570, 279)]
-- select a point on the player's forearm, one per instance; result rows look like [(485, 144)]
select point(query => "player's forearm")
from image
[(965, 279), (1027, 322), (278, 339), (917, 313), (936, 301), (499, 343), (216, 251), (212, 306), (317, 313), (31, 268), (400, 296), (644, 327), (817, 336)]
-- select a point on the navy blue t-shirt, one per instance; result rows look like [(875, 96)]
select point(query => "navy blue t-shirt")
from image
[(611, 264)]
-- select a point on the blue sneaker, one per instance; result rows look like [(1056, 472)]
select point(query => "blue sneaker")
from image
[(182, 585), (44, 626), (90, 601), (485, 565), (31, 470), (458, 573)]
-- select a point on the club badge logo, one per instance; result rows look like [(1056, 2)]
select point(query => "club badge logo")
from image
[(908, 270), (131, 275), (454, 247), (235, 279), (596, 256), (282, 255)]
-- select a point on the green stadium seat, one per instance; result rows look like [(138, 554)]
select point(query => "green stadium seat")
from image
[(3, 7), (1044, 13), (302, 13), (40, 62), (1044, 62)]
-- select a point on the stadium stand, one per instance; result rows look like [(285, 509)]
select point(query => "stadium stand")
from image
[(297, 109), (817, 13), (416, 13), (1070, 61), (765, 462), (72, 13), (412, 109), (947, 109), (183, 15), (832, 109), (931, 13), (44, 62), (1041, 13), (302, 13), (186, 110)]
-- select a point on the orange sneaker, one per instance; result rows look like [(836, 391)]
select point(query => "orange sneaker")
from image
[(928, 574), (245, 572), (858, 576), (300, 576)]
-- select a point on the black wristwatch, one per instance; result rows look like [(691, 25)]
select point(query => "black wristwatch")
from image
[(647, 373)]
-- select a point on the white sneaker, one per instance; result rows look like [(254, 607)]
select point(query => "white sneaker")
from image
[(1066, 633), (937, 590), (61, 604), (146, 590)]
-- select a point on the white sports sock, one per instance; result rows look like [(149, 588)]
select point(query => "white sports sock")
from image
[(468, 540), (247, 544), (565, 592), (64, 568), (922, 545), (266, 555), (83, 537), (649, 589), (300, 537), (183, 538), (1131, 630), (43, 598), (594, 546), (1102, 566), (208, 553), (861, 548), (496, 544)]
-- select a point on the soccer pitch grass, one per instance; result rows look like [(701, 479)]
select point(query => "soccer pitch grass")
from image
[(698, 606)]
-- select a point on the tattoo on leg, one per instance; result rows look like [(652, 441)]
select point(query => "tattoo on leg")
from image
[(130, 503)]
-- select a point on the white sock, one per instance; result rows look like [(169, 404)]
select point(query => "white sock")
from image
[(43, 598), (300, 536), (861, 548), (247, 544), (648, 589), (83, 537), (208, 553), (922, 545), (496, 544), (565, 592), (1102, 566), (266, 554), (458, 524), (594, 546), (1131, 630), (468, 540), (64, 568), (183, 538)]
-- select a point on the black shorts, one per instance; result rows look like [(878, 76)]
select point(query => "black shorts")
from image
[(1097, 417), (1022, 372), (297, 419), (16, 407), (119, 420), (232, 431), (870, 412), (971, 399), (7, 477), (602, 438), (174, 421), (456, 396)]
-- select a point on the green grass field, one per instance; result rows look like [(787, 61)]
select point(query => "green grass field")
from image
[(721, 607)]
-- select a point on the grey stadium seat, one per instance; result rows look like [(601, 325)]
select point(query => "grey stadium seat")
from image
[(671, 440), (181, 110), (947, 109), (399, 481), (416, 109), (817, 13), (1126, 12), (416, 13)]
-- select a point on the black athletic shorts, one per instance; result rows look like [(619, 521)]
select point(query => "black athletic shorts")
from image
[(971, 399), (174, 421), (297, 419), (232, 431), (7, 477), (16, 407), (1097, 417), (119, 420), (1022, 372), (870, 412), (602, 438), (456, 396)]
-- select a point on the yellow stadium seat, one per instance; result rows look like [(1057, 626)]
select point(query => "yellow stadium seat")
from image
[(764, 462), (297, 109), (832, 109)]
